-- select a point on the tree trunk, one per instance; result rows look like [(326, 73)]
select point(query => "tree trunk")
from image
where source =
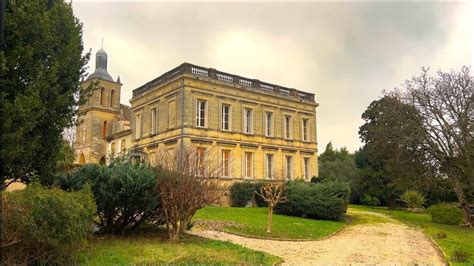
[(468, 221), (270, 214)]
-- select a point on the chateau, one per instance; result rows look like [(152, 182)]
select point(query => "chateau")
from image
[(258, 128)]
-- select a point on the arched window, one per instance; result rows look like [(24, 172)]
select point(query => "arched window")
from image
[(104, 129), (112, 96), (102, 96), (122, 146)]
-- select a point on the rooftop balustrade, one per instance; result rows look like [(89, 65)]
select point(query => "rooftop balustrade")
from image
[(246, 83)]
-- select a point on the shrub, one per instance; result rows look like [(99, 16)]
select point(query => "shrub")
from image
[(369, 200), (45, 226), (125, 194), (325, 200), (460, 256), (413, 199), (241, 193), (446, 214)]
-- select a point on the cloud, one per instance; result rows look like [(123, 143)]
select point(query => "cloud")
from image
[(346, 54)]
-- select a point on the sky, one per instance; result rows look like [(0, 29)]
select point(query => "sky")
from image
[(347, 54)]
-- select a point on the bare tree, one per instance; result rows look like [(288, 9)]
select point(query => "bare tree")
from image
[(446, 104), (272, 193), (187, 181)]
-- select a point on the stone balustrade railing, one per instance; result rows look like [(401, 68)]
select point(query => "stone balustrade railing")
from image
[(252, 84)]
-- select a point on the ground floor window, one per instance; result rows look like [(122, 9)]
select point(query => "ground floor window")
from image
[(306, 166), (288, 167), (269, 166), (225, 163), (248, 163)]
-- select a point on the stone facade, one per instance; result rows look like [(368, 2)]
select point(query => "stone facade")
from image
[(174, 99), (255, 129)]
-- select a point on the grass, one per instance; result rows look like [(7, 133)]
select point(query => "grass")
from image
[(457, 237), (151, 248), (254, 221)]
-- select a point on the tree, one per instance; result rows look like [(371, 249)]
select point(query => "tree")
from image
[(391, 134), (272, 194), (41, 70), (187, 181), (336, 164), (445, 103)]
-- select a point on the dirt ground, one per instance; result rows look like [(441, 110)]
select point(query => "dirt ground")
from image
[(387, 243)]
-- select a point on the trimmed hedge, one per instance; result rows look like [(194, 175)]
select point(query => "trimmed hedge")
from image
[(446, 213), (45, 226), (325, 200), (241, 194), (126, 194)]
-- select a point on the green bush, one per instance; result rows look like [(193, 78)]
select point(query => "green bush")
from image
[(446, 214), (413, 199), (325, 200), (258, 199), (126, 194), (45, 226), (241, 193), (369, 200)]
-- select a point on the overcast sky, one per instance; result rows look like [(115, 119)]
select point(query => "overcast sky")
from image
[(345, 53)]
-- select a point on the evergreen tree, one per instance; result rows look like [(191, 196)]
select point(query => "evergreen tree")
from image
[(42, 66)]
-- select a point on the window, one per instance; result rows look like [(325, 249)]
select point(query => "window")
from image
[(226, 163), (138, 126), (287, 126), (269, 166), (102, 96), (225, 117), (104, 129), (172, 114), (307, 174), (112, 96), (305, 130), (288, 167), (268, 124), (248, 165), (122, 146), (153, 121), (201, 113), (248, 121), (112, 148), (201, 153)]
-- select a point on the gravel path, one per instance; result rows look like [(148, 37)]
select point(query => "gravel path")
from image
[(374, 243)]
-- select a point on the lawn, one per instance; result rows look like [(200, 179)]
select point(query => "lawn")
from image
[(253, 221), (458, 238), (151, 248)]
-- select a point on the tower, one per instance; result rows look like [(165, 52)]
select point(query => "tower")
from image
[(99, 116)]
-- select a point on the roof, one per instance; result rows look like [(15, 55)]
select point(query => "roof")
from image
[(99, 74)]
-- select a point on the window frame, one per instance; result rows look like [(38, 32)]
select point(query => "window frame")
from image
[(199, 115), (269, 131), (154, 120), (288, 126), (305, 134), (248, 128), (288, 170), (138, 126), (226, 163), (229, 117), (246, 161), (307, 168), (269, 169)]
